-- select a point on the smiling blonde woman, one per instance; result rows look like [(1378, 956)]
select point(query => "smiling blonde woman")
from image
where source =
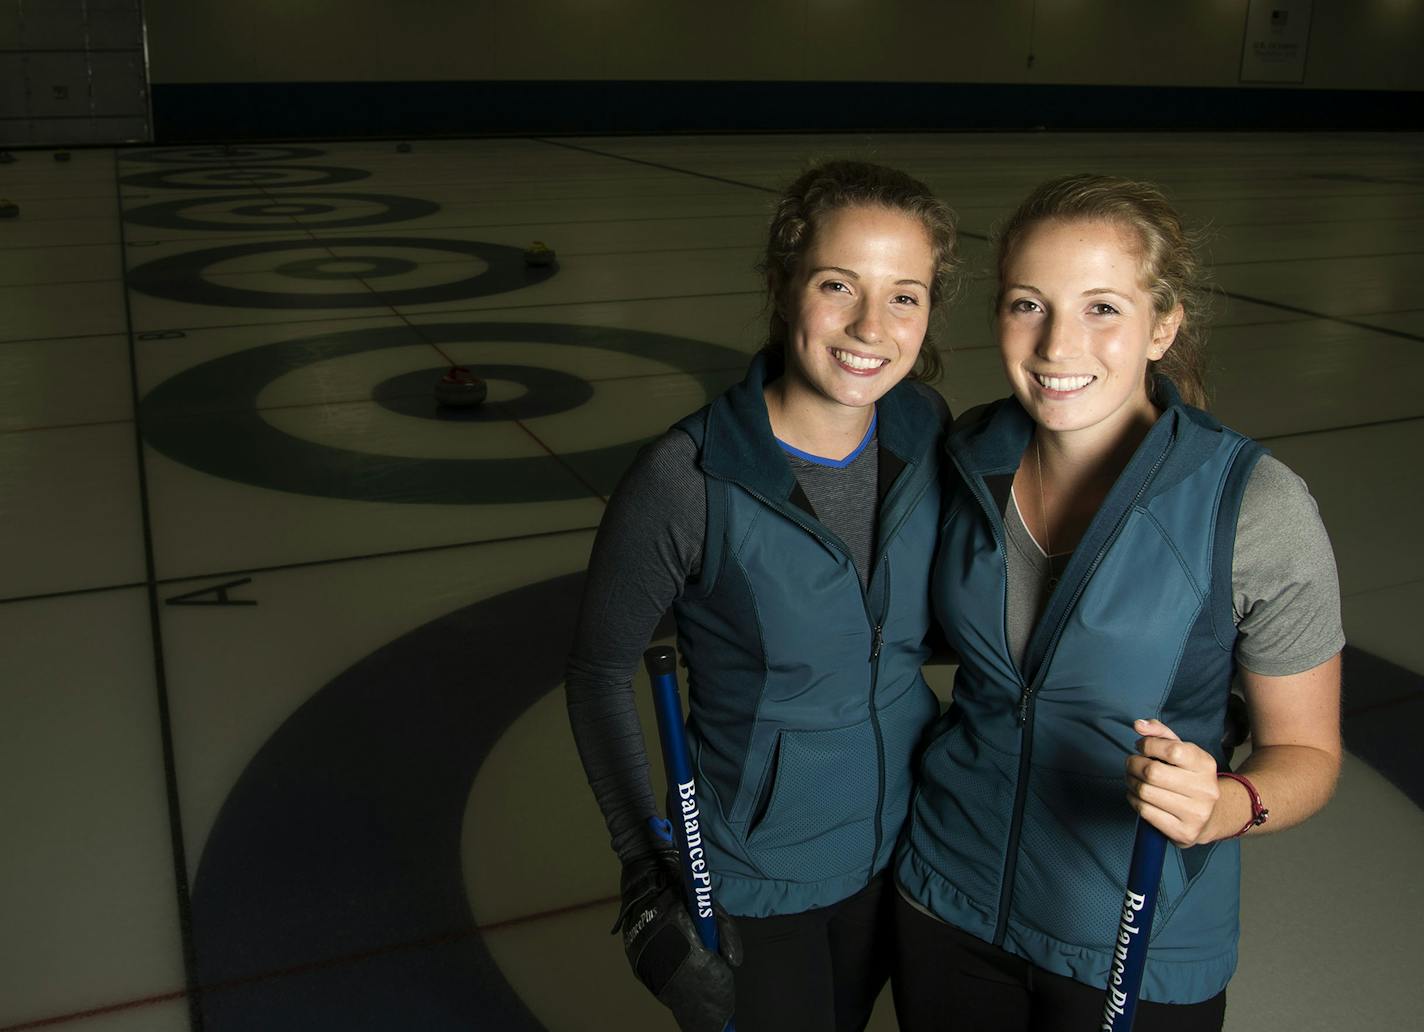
[(1112, 558)]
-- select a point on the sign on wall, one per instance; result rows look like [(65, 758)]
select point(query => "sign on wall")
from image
[(1277, 40), (73, 72)]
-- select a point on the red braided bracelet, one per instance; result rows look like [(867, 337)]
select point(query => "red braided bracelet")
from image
[(1259, 813)]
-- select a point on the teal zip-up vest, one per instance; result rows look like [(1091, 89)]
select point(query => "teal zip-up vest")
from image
[(806, 702), (1020, 832)]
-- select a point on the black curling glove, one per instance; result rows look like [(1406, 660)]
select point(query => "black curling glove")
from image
[(664, 949)]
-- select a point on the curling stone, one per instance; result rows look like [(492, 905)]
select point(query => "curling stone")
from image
[(6, 158), (61, 155), (460, 388), (402, 148), (8, 209), (538, 255)]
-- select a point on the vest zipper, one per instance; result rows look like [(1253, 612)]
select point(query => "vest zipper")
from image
[(1030, 692), (877, 641), (1020, 788), (1026, 702), (879, 753)]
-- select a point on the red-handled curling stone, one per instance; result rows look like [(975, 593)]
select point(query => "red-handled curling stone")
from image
[(460, 388)]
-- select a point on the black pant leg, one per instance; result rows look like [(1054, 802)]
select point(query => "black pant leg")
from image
[(1062, 1005), (784, 981), (945, 980), (862, 941), (818, 971), (948, 981), (1207, 1016)]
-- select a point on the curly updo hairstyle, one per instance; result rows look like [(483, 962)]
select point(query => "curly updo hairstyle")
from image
[(1170, 269), (831, 186)]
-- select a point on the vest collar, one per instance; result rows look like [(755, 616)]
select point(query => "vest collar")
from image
[(739, 445), (997, 442), (992, 449)]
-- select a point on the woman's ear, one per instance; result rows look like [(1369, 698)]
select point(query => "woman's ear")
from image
[(1165, 332)]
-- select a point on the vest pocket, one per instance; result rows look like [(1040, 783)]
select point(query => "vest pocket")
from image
[(1211, 875), (1074, 850), (818, 821)]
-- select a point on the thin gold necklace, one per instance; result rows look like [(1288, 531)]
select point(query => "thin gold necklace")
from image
[(1043, 515)]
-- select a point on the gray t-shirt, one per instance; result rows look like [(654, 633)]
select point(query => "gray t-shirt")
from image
[(843, 499), (1285, 592)]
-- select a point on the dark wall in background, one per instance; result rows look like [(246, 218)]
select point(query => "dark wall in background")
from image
[(187, 112), (225, 69)]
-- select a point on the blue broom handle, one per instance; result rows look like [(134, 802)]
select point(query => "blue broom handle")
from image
[(1129, 953), (682, 802)]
